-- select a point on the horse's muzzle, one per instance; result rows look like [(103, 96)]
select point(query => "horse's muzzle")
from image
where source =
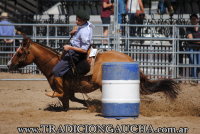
[(9, 64), (12, 67)]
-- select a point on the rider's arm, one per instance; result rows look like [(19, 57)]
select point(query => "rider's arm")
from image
[(190, 36), (141, 5), (80, 50), (74, 30), (80, 46), (106, 5), (81, 40)]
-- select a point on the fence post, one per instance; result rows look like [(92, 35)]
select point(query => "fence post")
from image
[(174, 50)]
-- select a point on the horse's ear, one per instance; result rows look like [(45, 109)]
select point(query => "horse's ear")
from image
[(20, 33), (26, 41)]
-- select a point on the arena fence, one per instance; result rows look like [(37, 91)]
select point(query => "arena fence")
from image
[(160, 49)]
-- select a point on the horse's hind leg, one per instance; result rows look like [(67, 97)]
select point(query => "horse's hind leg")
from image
[(74, 99), (86, 87), (66, 96)]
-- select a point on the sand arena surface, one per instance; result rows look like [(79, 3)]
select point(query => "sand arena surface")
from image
[(23, 104)]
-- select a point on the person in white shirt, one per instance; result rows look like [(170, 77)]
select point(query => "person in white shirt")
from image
[(134, 9)]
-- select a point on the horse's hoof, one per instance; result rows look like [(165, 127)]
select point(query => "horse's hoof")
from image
[(65, 109), (86, 104)]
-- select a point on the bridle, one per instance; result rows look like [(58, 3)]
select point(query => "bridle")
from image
[(22, 54), (23, 57)]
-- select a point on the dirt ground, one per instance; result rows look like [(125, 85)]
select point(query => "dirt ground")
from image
[(24, 104)]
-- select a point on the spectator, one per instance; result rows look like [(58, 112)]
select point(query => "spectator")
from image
[(194, 46), (169, 7), (135, 10), (163, 5), (121, 10), (106, 11), (8, 30)]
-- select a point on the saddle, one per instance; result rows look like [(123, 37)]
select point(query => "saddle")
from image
[(85, 66)]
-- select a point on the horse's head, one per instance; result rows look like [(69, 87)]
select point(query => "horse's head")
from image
[(22, 56)]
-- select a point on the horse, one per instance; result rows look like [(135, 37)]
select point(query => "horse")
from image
[(46, 58)]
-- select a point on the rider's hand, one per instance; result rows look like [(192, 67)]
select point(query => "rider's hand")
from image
[(74, 30), (67, 47)]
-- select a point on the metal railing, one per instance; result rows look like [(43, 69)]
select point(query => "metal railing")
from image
[(160, 55)]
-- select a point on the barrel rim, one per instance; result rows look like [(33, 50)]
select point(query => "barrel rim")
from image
[(121, 101), (120, 63), (121, 81)]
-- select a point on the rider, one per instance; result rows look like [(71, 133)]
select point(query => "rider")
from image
[(80, 43)]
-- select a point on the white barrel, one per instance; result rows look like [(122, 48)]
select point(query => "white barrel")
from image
[(120, 90)]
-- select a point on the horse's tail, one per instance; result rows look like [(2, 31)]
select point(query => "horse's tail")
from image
[(168, 86)]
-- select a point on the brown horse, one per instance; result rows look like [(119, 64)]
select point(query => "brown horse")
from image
[(46, 58)]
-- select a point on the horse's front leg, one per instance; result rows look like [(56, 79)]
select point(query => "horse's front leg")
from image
[(56, 84), (60, 89), (65, 102), (67, 94)]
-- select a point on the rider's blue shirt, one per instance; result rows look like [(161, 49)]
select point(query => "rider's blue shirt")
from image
[(83, 36)]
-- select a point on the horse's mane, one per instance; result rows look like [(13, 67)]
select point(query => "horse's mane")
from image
[(27, 40), (49, 48)]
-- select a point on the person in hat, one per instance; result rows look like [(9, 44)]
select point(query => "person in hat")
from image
[(6, 30), (76, 51)]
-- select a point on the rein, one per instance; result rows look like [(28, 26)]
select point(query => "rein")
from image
[(37, 69)]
